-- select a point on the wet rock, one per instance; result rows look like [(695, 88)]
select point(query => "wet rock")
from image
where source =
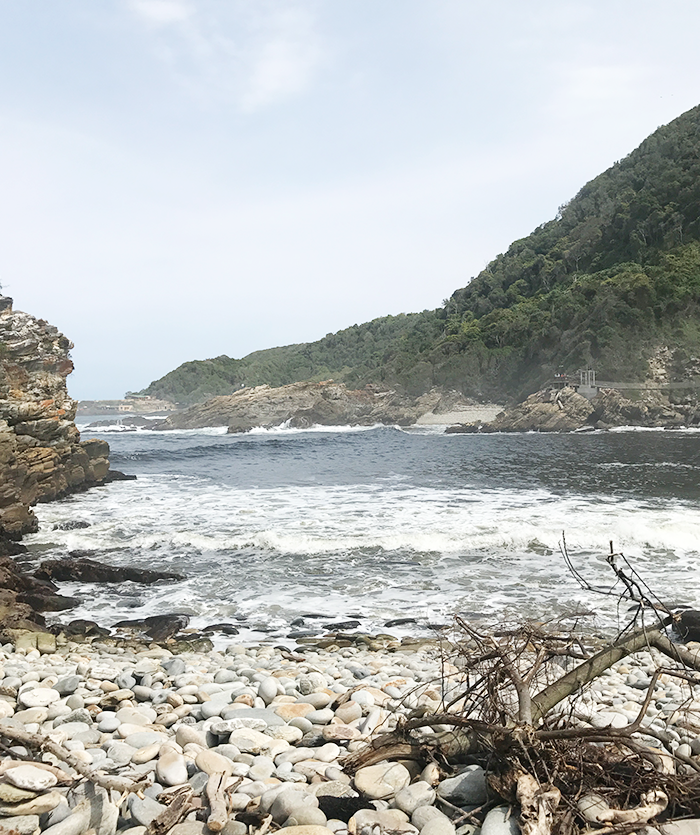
[(86, 570), (162, 627)]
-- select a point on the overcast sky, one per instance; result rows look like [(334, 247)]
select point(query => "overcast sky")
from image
[(188, 178)]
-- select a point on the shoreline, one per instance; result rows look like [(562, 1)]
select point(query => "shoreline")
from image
[(281, 727)]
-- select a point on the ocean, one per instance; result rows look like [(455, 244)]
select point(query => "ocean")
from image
[(378, 524)]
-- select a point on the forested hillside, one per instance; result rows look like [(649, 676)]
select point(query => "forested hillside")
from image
[(614, 276), (353, 355)]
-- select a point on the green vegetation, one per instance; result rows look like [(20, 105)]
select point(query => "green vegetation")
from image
[(354, 355), (612, 277)]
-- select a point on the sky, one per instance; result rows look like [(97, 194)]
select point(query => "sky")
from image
[(188, 178)]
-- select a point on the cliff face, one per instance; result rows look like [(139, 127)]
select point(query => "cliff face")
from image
[(41, 454)]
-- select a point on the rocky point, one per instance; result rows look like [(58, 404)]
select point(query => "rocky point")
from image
[(41, 454)]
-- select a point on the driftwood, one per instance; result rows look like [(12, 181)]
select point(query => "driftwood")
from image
[(218, 815), (181, 803), (99, 778), (537, 805)]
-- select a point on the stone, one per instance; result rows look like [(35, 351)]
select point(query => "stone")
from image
[(388, 820), (691, 826), (136, 716), (413, 796), (144, 810), (30, 778), (104, 814), (120, 753), (292, 711), (320, 717), (307, 830), (424, 814), (79, 715), (22, 825), (143, 739), (108, 722), (244, 714), (286, 732), (249, 741), (438, 826), (67, 685), (348, 712), (38, 697), (465, 789), (287, 803), (72, 729), (57, 814), (85, 570), (37, 806), (591, 805), (500, 821), (212, 763), (190, 828), (186, 734), (431, 774), (11, 794), (268, 689), (31, 715), (145, 755), (171, 768), (340, 733), (305, 816), (609, 719), (75, 824), (382, 781)]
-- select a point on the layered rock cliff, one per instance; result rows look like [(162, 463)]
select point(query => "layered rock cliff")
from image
[(302, 405), (41, 454)]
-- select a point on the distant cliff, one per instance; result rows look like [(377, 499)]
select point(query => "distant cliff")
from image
[(41, 454), (302, 405)]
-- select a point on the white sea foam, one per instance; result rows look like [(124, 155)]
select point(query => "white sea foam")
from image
[(380, 550)]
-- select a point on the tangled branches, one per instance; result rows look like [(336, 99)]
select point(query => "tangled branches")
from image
[(519, 703)]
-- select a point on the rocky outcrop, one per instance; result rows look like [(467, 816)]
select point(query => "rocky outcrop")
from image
[(84, 570), (564, 410), (302, 405), (41, 454)]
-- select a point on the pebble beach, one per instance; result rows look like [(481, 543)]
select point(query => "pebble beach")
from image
[(277, 724)]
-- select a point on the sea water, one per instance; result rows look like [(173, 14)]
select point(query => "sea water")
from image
[(381, 523)]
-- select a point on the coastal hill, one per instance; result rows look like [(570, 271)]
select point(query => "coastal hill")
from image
[(613, 282)]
